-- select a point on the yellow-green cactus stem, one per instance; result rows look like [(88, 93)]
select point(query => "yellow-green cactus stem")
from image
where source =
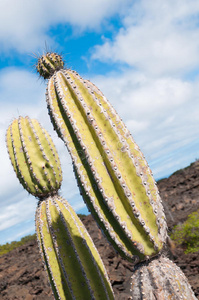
[(160, 279), (34, 157), (112, 173), (73, 264)]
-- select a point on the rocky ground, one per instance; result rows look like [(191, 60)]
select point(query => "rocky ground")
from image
[(22, 275)]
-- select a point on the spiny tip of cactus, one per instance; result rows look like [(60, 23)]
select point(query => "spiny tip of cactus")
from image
[(49, 63)]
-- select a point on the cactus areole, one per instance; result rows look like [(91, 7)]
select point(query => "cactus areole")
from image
[(113, 176)]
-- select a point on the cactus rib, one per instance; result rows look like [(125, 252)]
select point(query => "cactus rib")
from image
[(114, 178), (73, 264)]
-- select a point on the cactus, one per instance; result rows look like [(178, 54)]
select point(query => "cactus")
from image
[(160, 279), (74, 267), (112, 173), (115, 181)]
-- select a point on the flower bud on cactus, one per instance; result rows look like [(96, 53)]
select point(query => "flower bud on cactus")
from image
[(48, 64), (160, 279), (114, 178), (74, 267)]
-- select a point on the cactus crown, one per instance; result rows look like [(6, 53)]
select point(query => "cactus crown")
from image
[(48, 64), (34, 157)]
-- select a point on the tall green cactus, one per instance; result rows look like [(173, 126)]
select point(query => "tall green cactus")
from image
[(74, 267), (114, 178), (115, 181)]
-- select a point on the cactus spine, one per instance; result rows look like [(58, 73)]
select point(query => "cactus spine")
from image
[(113, 176), (74, 267)]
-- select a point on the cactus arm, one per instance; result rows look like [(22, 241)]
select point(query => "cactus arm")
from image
[(73, 264), (26, 141), (79, 154), (160, 279), (71, 108)]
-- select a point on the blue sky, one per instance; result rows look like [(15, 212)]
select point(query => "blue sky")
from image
[(143, 55)]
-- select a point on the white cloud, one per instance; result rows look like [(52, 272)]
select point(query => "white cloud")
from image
[(18, 211), (138, 125), (20, 233), (78, 204), (157, 38), (24, 25), (19, 89)]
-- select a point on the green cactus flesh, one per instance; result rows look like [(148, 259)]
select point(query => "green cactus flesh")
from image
[(72, 261), (34, 157), (160, 279), (113, 176)]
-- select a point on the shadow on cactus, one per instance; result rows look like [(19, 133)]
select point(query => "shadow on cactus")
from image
[(74, 267)]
